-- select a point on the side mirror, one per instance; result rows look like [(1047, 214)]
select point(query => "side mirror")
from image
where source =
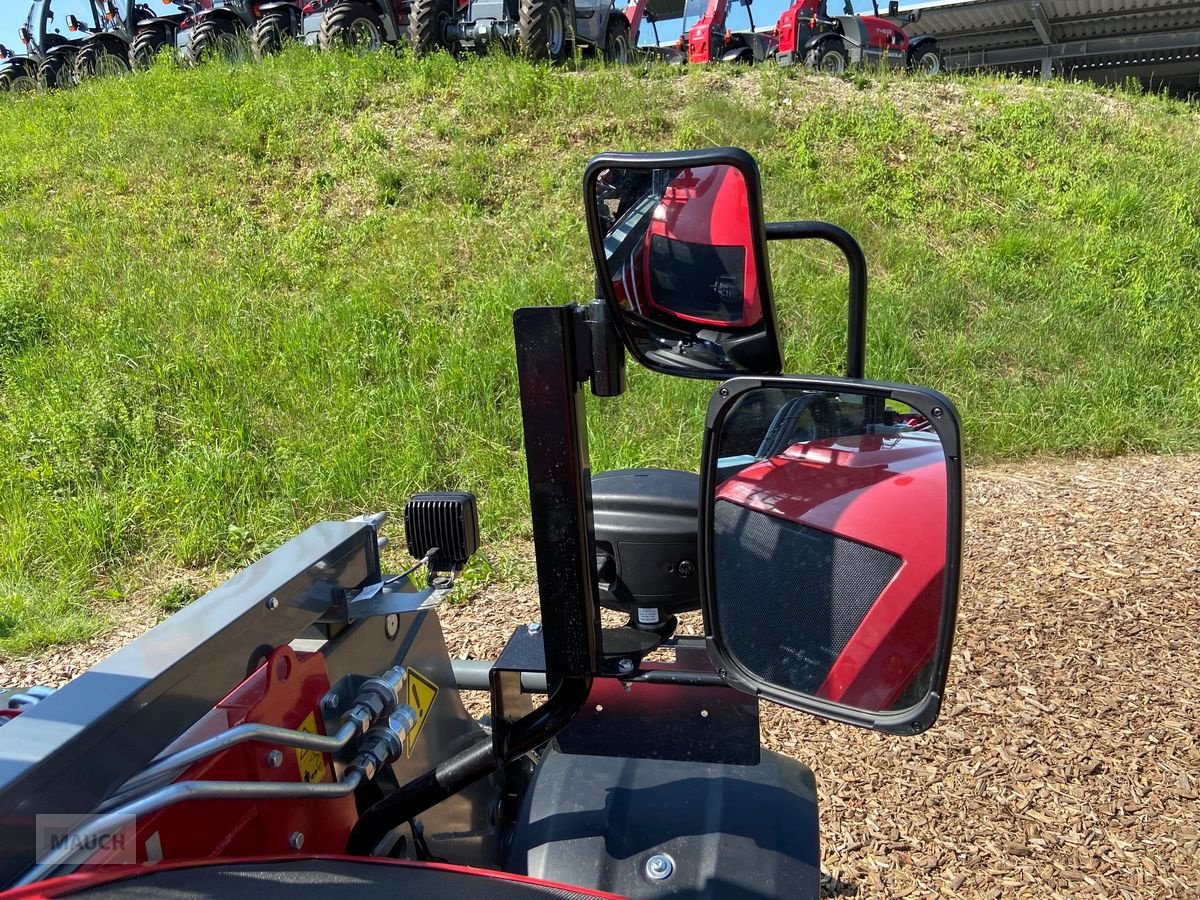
[(679, 246), (5, 53), (72, 23), (893, 8), (914, 16), (24, 34), (830, 543)]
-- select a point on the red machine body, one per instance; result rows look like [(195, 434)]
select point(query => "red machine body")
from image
[(888, 492), (699, 222)]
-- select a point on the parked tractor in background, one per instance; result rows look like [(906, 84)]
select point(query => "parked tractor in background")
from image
[(834, 43), (711, 40), (538, 29), (362, 25), (130, 36), (222, 28), (57, 50), (19, 71)]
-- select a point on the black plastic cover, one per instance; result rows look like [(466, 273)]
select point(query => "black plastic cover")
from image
[(646, 539), (448, 521), (731, 832)]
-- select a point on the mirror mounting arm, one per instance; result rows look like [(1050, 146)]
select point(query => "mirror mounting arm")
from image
[(608, 353), (856, 327)]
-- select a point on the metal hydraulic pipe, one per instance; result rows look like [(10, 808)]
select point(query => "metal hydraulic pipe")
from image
[(175, 793), (376, 699), (266, 734)]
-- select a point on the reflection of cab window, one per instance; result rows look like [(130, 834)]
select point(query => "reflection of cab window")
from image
[(700, 280)]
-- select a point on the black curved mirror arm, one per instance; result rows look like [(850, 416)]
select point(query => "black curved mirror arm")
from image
[(856, 321)]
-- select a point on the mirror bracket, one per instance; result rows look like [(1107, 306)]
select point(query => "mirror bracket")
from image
[(856, 321)]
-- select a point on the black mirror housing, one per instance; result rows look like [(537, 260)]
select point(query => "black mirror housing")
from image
[(679, 246), (830, 546), (893, 8)]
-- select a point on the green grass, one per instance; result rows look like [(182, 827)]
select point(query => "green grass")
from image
[(234, 301)]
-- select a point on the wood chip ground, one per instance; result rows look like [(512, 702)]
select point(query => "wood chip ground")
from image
[(1066, 761)]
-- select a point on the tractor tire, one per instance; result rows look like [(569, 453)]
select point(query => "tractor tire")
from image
[(216, 38), (98, 61), (542, 30), (19, 81), (57, 71), (147, 45), (353, 26), (829, 57), (926, 60), (618, 48), (427, 20), (271, 33)]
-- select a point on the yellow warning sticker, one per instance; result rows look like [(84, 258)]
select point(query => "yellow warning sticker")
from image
[(421, 694), (311, 762)]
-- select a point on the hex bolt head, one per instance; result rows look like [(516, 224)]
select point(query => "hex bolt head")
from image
[(296, 841), (659, 867), (534, 627), (625, 666), (274, 759), (330, 701)]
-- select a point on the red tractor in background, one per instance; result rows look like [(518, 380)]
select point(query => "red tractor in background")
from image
[(834, 43), (710, 40)]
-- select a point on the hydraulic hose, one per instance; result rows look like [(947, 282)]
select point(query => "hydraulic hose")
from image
[(460, 771)]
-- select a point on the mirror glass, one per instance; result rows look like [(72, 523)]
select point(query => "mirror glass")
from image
[(681, 269), (829, 545)]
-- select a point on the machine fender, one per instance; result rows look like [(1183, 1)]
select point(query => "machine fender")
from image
[(738, 54), (218, 12), (292, 11), (921, 42), (819, 40)]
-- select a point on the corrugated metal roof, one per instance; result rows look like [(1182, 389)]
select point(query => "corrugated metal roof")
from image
[(1071, 33)]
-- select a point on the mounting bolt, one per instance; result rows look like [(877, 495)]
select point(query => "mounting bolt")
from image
[(274, 759), (625, 666), (391, 626), (272, 603), (659, 867), (685, 568), (534, 627), (330, 701), (296, 841)]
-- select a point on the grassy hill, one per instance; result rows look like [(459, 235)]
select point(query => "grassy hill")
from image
[(237, 300)]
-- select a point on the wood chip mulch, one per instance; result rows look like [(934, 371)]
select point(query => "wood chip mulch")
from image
[(1066, 761)]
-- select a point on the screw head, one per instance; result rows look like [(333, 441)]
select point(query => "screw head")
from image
[(296, 841), (625, 666), (274, 759), (391, 626), (659, 867), (685, 568), (938, 412), (272, 603)]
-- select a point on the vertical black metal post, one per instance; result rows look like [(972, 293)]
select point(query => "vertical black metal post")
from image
[(560, 487)]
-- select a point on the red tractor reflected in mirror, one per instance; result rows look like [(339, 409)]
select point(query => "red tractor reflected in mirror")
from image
[(828, 533), (684, 268)]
